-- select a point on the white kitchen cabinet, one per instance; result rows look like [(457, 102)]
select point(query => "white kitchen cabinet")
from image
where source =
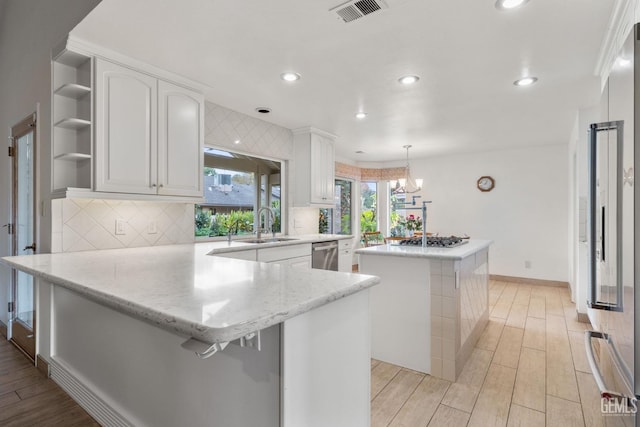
[(345, 255), (280, 253), (303, 262), (149, 134), (126, 130), (314, 168), (180, 140)]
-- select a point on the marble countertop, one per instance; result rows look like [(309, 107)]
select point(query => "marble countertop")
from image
[(456, 253), (181, 289), (240, 244)]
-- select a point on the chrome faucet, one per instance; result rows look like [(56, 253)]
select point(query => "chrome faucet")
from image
[(231, 226), (272, 216)]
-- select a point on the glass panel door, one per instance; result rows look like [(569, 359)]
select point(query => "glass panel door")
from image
[(23, 212)]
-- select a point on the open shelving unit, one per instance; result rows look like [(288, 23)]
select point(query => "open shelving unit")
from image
[(72, 112)]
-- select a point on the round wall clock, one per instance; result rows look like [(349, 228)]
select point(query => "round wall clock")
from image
[(486, 183)]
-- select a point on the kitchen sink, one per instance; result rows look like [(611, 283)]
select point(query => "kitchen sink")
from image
[(272, 240)]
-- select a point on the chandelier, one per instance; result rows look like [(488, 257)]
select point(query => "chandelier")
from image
[(407, 184)]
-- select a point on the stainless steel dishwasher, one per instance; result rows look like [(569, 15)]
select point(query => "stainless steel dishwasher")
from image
[(325, 255)]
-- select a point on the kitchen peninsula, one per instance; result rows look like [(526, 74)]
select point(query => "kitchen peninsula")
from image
[(287, 346), (431, 306)]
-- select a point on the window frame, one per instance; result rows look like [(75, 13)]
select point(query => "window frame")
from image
[(284, 225)]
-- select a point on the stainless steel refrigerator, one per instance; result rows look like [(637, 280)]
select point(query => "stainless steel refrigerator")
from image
[(614, 239)]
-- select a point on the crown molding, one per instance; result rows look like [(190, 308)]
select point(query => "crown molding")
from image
[(624, 15)]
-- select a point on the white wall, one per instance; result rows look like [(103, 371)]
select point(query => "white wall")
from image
[(28, 31), (525, 214)]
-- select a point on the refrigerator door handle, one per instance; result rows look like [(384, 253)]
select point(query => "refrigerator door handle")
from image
[(605, 392), (593, 210)]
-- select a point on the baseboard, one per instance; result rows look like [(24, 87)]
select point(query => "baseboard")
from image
[(42, 366), (3, 330), (100, 410), (583, 318), (526, 280)]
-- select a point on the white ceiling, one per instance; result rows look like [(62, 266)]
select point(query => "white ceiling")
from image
[(466, 52)]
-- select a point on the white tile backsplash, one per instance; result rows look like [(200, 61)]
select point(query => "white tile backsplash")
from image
[(224, 126), (88, 224)]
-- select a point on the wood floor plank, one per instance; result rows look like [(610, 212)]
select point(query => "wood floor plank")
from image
[(423, 403), (34, 378), (519, 416), (590, 400), (530, 387), (374, 363), (463, 393), (537, 306), (553, 302), (571, 318), (14, 375), (41, 407), (535, 334), (517, 316), (492, 406), (8, 398), (561, 377), (389, 401), (523, 295), (504, 302), (35, 389), (561, 412), (491, 334), (446, 416), (508, 349), (580, 363), (381, 375)]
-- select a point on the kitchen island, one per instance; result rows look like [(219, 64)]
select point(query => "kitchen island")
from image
[(431, 306), (286, 346)]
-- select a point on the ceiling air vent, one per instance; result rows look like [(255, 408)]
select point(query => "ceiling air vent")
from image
[(352, 10)]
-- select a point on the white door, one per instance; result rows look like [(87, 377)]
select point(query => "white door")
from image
[(23, 313), (181, 141), (126, 130)]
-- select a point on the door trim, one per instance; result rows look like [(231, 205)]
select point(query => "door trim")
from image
[(22, 340)]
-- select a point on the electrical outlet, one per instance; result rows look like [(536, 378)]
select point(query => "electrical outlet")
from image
[(152, 228), (527, 264), (120, 227)]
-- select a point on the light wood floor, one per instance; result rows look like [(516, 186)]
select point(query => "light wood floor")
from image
[(28, 398), (528, 369)]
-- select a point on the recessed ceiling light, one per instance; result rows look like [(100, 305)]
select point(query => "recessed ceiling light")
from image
[(237, 141), (408, 80), (509, 4), (290, 77), (263, 110), (361, 115), (525, 81)]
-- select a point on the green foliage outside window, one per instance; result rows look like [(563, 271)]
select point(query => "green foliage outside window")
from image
[(240, 222)]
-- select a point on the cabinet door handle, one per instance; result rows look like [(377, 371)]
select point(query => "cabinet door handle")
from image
[(161, 185), (153, 186)]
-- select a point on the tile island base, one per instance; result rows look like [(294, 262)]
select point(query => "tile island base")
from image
[(431, 305)]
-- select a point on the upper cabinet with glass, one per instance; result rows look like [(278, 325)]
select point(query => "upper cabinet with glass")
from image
[(314, 168), (125, 133)]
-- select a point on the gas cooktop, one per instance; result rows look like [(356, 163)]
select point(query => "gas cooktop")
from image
[(435, 241)]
